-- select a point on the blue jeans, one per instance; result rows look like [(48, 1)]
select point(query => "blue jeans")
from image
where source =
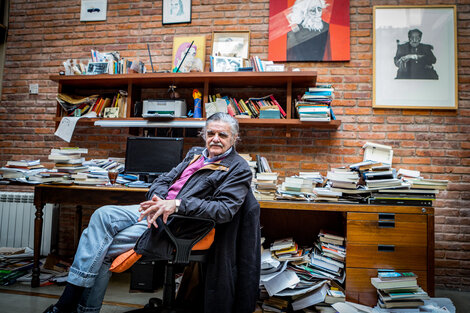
[(111, 231)]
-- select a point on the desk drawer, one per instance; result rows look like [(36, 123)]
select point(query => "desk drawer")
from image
[(386, 256), (387, 229), (359, 289)]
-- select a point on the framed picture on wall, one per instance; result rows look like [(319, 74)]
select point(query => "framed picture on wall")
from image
[(189, 54), (176, 11), (235, 44), (308, 30), (415, 57)]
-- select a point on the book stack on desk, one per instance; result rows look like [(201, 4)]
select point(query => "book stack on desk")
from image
[(398, 292), (68, 160), (266, 185)]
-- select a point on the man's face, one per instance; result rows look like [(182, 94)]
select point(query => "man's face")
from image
[(219, 138), (314, 9), (312, 20), (415, 39)]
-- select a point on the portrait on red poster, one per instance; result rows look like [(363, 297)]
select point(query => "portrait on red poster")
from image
[(309, 30)]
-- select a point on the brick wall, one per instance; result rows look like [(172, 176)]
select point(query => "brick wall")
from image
[(43, 34)]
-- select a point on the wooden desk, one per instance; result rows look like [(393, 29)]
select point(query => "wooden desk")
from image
[(378, 236), (78, 195)]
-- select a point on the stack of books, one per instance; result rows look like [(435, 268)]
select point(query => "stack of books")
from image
[(326, 194), (68, 160), (343, 179), (20, 170), (398, 292), (315, 104), (329, 256), (266, 185)]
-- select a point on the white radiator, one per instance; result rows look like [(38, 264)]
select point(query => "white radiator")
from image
[(17, 221)]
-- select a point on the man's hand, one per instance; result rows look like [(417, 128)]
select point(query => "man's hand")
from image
[(154, 208)]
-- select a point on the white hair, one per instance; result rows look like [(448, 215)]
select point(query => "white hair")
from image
[(300, 9)]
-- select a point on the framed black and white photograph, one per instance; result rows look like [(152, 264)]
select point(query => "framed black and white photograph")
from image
[(234, 44), (93, 10), (95, 68), (415, 57), (227, 64), (176, 11)]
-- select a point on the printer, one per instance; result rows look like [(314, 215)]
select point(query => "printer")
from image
[(164, 108)]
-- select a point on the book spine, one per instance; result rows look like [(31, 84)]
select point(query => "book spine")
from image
[(283, 113)]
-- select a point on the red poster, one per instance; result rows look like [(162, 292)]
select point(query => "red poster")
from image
[(309, 30)]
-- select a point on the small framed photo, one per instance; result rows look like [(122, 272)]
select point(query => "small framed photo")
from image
[(235, 44), (93, 10), (415, 57), (95, 68), (226, 64), (176, 11)]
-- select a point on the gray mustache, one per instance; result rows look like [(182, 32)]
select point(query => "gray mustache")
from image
[(216, 144)]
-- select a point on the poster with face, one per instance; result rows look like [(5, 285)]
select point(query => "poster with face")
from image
[(309, 30)]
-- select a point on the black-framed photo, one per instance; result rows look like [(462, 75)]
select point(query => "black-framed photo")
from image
[(176, 11), (95, 68), (415, 57)]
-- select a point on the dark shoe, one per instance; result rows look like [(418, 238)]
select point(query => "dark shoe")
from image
[(53, 309)]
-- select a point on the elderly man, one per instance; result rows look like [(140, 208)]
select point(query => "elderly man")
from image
[(211, 183), (309, 38), (414, 59)]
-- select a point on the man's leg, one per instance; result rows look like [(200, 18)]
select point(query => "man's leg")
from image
[(125, 240), (105, 223)]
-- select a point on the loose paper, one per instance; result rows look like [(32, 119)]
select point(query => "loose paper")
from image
[(66, 128)]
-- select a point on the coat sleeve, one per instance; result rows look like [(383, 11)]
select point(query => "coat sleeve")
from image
[(227, 198)]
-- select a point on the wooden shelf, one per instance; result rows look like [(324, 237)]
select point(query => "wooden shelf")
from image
[(285, 85), (248, 122), (234, 79)]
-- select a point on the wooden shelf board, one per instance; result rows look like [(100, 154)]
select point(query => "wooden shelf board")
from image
[(233, 79), (248, 122)]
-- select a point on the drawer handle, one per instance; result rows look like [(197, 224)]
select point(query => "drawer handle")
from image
[(386, 248), (387, 216), (386, 224)]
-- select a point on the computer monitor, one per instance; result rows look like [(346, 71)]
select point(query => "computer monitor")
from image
[(152, 156)]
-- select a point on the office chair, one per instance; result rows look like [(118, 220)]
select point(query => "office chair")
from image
[(189, 240)]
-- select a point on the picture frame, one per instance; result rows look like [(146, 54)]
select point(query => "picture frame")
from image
[(176, 11), (234, 44), (226, 64), (95, 68), (415, 57), (93, 10), (305, 31), (194, 60)]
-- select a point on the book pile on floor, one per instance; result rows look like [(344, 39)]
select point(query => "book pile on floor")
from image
[(14, 263), (315, 104), (299, 277), (398, 292)]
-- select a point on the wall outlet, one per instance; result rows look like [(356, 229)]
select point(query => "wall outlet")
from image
[(33, 89)]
